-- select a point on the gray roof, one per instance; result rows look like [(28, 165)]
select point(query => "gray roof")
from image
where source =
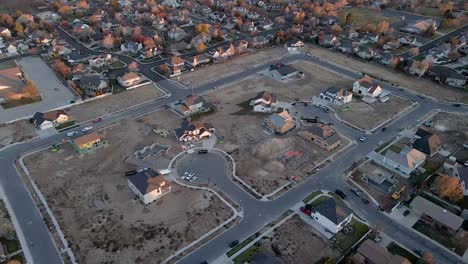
[(463, 174), (283, 69), (427, 144), (90, 81), (333, 211), (277, 120), (333, 139), (408, 158), (140, 180), (437, 213)]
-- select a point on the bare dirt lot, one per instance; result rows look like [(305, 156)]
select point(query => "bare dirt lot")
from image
[(264, 162), (378, 192), (451, 129), (422, 86), (369, 116), (297, 242), (115, 102), (100, 215), (214, 71), (16, 132)]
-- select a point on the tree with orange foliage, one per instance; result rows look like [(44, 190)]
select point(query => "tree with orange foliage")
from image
[(449, 188), (201, 47), (63, 69), (203, 28)]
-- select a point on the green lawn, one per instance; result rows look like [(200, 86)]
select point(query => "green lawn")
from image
[(443, 237), (240, 246), (117, 64), (311, 196), (20, 102), (343, 242), (66, 126), (318, 201), (116, 87), (397, 250), (247, 255), (393, 148), (362, 15), (11, 245), (381, 147)]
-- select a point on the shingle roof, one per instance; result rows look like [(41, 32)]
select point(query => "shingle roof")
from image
[(377, 254), (333, 211), (427, 144), (49, 116), (147, 180), (283, 69), (408, 158), (437, 213), (320, 130)]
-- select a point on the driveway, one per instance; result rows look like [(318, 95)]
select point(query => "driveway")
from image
[(54, 94)]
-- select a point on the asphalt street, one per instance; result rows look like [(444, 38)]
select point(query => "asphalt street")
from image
[(41, 248)]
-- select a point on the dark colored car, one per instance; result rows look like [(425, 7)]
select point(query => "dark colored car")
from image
[(310, 120), (384, 128), (97, 120), (202, 151), (405, 213), (341, 194), (457, 105), (234, 243), (364, 201)]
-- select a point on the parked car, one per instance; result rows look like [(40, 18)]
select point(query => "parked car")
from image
[(87, 128), (185, 175), (356, 191), (363, 138), (234, 243), (364, 201), (202, 151), (384, 128), (406, 212), (192, 179), (457, 105), (306, 211), (97, 120), (380, 142), (341, 194), (71, 134)]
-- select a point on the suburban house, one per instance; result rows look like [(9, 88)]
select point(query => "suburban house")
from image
[(129, 79), (280, 123), (93, 85), (100, 61), (421, 27), (366, 87), (132, 47), (448, 76), (191, 105), (5, 32), (88, 143), (50, 119), (370, 252), (462, 173), (322, 135), (328, 40), (337, 95), (176, 64), (264, 102), (148, 185), (435, 215), (282, 72), (192, 131), (331, 215), (294, 45), (426, 142), (406, 161), (197, 60)]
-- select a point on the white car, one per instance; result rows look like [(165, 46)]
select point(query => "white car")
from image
[(184, 176), (87, 128), (362, 139), (380, 143), (194, 178), (71, 134)]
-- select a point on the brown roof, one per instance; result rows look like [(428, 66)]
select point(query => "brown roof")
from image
[(91, 137), (130, 75), (192, 99), (53, 115), (376, 254), (176, 60)]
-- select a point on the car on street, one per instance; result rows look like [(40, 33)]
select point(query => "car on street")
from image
[(326, 110), (71, 134), (457, 105), (202, 151), (356, 192), (380, 142), (341, 194), (88, 128), (192, 179), (406, 212), (364, 201), (97, 120), (234, 243), (363, 138), (384, 128)]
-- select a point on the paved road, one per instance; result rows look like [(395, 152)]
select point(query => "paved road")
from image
[(42, 249)]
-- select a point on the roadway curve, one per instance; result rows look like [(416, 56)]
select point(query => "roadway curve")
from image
[(40, 247)]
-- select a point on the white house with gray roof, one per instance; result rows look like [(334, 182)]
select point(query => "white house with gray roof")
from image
[(332, 215), (282, 72), (148, 185), (405, 161)]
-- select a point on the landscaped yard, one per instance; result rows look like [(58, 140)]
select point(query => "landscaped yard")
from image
[(362, 15), (117, 64), (318, 201), (397, 250), (240, 246), (311, 196), (343, 241), (247, 255), (443, 237)]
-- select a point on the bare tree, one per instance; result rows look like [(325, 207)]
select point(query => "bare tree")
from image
[(108, 42)]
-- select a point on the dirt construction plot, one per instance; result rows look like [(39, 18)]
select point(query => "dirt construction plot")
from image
[(16, 132), (263, 161), (101, 217), (422, 86), (451, 128), (297, 242), (369, 116), (210, 72), (114, 102)]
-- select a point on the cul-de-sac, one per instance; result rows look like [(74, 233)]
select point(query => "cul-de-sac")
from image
[(233, 132)]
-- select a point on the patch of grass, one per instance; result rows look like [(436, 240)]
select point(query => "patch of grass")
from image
[(343, 242), (20, 102), (117, 64), (397, 250), (66, 126), (443, 237), (311, 196), (12, 245), (395, 149), (362, 15), (318, 201), (247, 255), (116, 87), (381, 147), (240, 246)]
